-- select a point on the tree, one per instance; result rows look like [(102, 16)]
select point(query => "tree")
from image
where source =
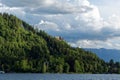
[(111, 66), (77, 66), (111, 63), (59, 68), (66, 68), (24, 65), (44, 68)]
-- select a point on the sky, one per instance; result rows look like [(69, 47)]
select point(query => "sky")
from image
[(82, 23)]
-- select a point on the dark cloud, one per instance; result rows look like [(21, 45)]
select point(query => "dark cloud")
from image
[(22, 3)]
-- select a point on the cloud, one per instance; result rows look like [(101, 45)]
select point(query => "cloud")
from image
[(114, 21), (28, 3), (89, 25), (47, 26), (48, 6), (107, 8), (112, 43), (12, 10)]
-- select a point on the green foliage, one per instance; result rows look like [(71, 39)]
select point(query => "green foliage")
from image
[(24, 49)]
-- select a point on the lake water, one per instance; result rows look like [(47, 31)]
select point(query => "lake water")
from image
[(59, 77)]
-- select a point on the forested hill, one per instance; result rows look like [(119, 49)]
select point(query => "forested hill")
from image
[(23, 49)]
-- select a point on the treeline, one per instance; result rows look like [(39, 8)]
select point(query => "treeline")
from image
[(113, 67), (24, 49)]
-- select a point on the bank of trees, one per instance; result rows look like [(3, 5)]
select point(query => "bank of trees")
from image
[(23, 49)]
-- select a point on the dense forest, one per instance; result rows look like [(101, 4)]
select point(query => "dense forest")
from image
[(25, 49)]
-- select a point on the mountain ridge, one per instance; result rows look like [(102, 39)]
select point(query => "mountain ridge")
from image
[(106, 54)]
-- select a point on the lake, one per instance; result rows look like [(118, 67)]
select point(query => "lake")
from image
[(59, 77)]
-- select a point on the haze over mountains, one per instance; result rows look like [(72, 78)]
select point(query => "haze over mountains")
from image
[(106, 54)]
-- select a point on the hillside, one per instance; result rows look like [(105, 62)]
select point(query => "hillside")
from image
[(23, 49), (106, 54)]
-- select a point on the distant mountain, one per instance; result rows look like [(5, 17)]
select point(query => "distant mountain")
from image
[(106, 54)]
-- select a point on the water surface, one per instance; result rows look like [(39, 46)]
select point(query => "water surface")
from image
[(59, 77)]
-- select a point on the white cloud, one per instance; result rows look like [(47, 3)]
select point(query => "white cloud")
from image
[(12, 10), (68, 26), (92, 18), (112, 43), (114, 22), (47, 26)]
